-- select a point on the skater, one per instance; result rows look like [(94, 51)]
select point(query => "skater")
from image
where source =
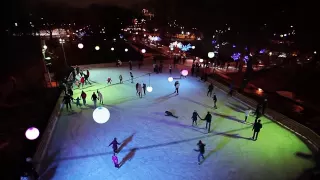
[(114, 144), (100, 97), (70, 92), (168, 113), (78, 102), (210, 89), (258, 113), (67, 101), (201, 150), (86, 79), (230, 90), (109, 80), (256, 129), (247, 113), (214, 97), (160, 68), (144, 87), (208, 121), (140, 90), (194, 117), (170, 69), (77, 69), (84, 96), (177, 88), (137, 89), (81, 73), (192, 69), (131, 77), (82, 81), (130, 65), (94, 99), (120, 78), (115, 160)]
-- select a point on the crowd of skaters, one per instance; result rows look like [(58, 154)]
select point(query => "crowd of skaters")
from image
[(141, 90)]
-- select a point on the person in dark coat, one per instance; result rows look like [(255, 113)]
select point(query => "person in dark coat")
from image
[(194, 117), (70, 92), (94, 98), (130, 65), (170, 69), (137, 86), (192, 69), (67, 101), (77, 69), (131, 75), (120, 78), (210, 89), (214, 97), (258, 113), (84, 96), (144, 86), (256, 129), (201, 150), (208, 121), (114, 144)]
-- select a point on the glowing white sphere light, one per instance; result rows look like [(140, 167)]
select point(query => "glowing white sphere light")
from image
[(32, 133), (210, 54), (97, 48), (101, 115), (201, 60), (170, 79), (80, 45), (193, 47), (143, 51), (112, 49), (149, 89), (126, 50), (184, 72), (45, 47)]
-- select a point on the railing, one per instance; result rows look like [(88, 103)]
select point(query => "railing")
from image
[(47, 134), (302, 131)]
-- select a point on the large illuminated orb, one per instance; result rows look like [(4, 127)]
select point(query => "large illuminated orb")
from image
[(32, 133), (149, 89), (170, 79), (184, 72), (97, 48), (101, 115), (143, 51), (211, 54), (80, 45)]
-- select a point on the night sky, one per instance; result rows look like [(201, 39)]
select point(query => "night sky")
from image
[(84, 3)]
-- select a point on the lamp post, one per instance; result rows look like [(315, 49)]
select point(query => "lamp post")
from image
[(62, 41)]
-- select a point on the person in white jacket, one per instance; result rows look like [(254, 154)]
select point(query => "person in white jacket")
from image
[(140, 90), (100, 97), (177, 88)]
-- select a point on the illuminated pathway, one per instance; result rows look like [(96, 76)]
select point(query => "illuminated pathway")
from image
[(162, 147)]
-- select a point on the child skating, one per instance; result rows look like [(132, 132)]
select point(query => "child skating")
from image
[(78, 102), (109, 80), (115, 160)]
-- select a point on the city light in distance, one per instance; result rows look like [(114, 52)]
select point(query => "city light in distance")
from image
[(80, 45), (97, 48), (126, 50)]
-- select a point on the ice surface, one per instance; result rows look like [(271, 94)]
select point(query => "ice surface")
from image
[(160, 147)]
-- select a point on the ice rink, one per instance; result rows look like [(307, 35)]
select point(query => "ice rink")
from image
[(158, 147)]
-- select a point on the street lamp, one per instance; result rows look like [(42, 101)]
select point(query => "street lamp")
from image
[(201, 60), (62, 41), (211, 54), (315, 52), (32, 133), (126, 50), (112, 49), (170, 79), (143, 51), (97, 48), (193, 47), (80, 45)]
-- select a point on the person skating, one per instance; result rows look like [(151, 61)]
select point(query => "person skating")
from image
[(247, 113), (194, 117), (137, 90), (100, 97), (210, 89), (67, 101), (264, 105), (131, 75), (208, 121), (78, 102), (144, 86), (160, 67), (168, 113), (177, 88), (77, 69), (140, 90), (84, 96), (82, 81), (109, 80), (114, 144), (120, 78), (214, 97), (115, 160), (256, 129), (70, 92), (201, 150), (130, 65), (94, 99), (258, 113), (170, 69)]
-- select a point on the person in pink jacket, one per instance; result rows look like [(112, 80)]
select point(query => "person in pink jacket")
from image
[(115, 160)]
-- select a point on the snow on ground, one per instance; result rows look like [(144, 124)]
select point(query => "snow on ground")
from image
[(160, 147)]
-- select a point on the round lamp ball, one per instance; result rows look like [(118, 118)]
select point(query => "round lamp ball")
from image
[(184, 72), (201, 60), (97, 48), (126, 50), (170, 79), (32, 133), (143, 51), (149, 89), (112, 49), (80, 45), (211, 54), (101, 115)]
